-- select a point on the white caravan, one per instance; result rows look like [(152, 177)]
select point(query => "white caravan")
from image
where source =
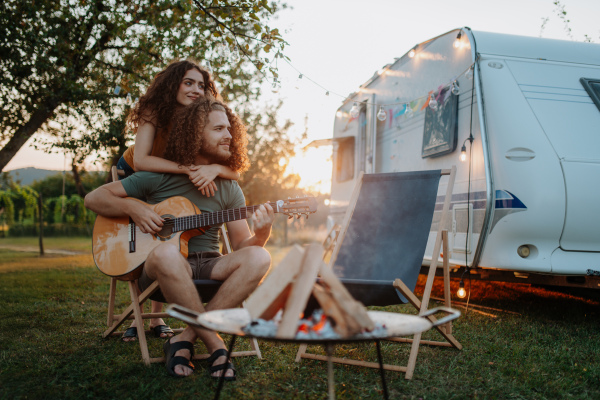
[(527, 196)]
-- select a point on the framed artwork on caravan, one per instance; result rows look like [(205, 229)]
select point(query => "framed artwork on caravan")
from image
[(440, 130)]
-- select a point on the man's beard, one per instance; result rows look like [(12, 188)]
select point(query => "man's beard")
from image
[(214, 153)]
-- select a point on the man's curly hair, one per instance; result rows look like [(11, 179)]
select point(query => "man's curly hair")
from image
[(159, 103), (185, 138)]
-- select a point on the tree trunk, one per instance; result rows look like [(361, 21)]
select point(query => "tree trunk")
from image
[(80, 190), (25, 132)]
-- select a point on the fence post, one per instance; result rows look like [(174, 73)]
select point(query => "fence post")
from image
[(41, 219)]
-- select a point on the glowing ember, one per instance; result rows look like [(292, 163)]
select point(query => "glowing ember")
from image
[(318, 326)]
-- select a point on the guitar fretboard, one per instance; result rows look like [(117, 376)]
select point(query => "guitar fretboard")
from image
[(214, 218)]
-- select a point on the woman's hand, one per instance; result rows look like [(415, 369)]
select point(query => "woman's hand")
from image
[(203, 177)]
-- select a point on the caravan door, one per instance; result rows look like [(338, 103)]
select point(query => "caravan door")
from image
[(571, 122)]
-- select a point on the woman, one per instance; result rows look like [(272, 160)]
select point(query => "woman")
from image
[(176, 86)]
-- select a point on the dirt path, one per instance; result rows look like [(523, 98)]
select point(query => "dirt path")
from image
[(36, 249)]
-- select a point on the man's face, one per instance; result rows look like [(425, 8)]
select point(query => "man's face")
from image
[(191, 87), (216, 140)]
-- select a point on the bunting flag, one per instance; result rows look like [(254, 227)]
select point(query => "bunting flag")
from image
[(427, 101)]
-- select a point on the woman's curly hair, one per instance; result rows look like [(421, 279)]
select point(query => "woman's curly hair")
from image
[(158, 104), (185, 138)]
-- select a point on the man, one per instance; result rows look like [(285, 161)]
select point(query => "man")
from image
[(204, 132)]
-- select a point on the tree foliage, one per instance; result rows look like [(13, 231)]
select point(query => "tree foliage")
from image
[(62, 60), (269, 149)]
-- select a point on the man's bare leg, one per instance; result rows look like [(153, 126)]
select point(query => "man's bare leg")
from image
[(241, 272)]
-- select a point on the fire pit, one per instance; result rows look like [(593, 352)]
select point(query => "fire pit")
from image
[(235, 322)]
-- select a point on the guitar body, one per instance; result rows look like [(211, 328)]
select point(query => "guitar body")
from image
[(119, 250)]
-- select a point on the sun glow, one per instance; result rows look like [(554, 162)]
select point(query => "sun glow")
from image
[(313, 165)]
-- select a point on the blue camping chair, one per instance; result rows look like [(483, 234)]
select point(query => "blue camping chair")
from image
[(381, 245)]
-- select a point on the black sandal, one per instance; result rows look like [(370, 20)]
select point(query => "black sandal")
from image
[(130, 332), (170, 349), (160, 329), (221, 367)]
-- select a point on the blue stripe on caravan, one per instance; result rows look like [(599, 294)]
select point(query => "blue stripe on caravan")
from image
[(504, 200)]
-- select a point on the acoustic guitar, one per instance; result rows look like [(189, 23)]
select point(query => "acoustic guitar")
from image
[(120, 247)]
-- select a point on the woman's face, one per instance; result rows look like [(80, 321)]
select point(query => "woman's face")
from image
[(191, 87)]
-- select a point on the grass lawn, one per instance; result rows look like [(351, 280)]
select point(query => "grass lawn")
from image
[(519, 343)]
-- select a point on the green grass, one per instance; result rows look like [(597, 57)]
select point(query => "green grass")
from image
[(535, 344)]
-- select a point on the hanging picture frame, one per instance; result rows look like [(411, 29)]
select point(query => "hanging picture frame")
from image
[(440, 131)]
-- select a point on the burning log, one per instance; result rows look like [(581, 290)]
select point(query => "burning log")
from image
[(288, 288)]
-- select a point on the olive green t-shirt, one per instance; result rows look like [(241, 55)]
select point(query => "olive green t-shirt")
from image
[(154, 187)]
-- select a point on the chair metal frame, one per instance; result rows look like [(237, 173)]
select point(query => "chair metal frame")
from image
[(421, 305)]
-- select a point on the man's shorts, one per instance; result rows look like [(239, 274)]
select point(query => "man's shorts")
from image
[(202, 264)]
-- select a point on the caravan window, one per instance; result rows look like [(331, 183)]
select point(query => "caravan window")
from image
[(344, 164), (592, 86)]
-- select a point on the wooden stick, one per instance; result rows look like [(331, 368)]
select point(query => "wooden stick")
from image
[(260, 303), (296, 301)]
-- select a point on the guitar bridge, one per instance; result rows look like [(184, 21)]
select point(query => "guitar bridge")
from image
[(131, 229)]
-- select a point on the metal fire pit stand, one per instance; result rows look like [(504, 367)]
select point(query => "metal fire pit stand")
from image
[(232, 322), (328, 345)]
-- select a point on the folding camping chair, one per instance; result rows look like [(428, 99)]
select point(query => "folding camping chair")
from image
[(207, 287), (380, 248)]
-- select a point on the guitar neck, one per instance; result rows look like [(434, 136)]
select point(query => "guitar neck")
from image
[(214, 218)]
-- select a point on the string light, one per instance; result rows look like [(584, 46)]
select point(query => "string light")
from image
[(235, 55), (469, 74), (455, 88), (208, 66), (381, 114), (461, 293), (433, 103), (128, 98), (412, 52), (457, 42), (223, 50), (276, 86), (327, 93), (354, 111)]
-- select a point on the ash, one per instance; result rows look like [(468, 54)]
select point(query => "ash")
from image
[(317, 327)]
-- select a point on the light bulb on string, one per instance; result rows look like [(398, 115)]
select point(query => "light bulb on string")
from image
[(433, 103), (412, 52), (354, 111), (463, 153), (128, 98), (457, 42), (223, 50), (455, 88), (276, 86), (461, 293), (208, 66), (381, 114), (327, 93), (235, 55), (469, 74)]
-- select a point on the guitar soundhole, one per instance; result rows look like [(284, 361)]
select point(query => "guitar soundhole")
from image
[(167, 231)]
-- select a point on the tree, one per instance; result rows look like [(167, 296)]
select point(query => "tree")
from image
[(61, 60), (269, 149)]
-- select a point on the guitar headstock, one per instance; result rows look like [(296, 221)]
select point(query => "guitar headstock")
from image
[(298, 206)]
